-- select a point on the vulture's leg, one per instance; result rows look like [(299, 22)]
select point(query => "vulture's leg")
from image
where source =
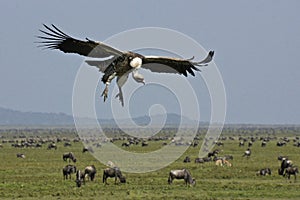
[(105, 91), (120, 82), (120, 96)]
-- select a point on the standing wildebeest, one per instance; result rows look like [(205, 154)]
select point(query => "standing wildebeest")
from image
[(113, 172), (68, 170), (285, 163), (264, 172), (241, 143), (90, 171), (181, 174), (291, 171), (214, 153), (69, 156), (144, 144), (247, 153)]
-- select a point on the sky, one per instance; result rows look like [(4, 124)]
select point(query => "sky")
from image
[(256, 43)]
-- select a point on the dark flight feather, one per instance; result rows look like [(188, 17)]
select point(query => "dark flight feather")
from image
[(56, 39)]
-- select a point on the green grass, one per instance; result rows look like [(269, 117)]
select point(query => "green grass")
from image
[(39, 175)]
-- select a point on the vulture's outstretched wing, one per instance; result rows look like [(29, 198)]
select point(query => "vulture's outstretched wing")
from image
[(56, 39), (173, 65), (100, 64)]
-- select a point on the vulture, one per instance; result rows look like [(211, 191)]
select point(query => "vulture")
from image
[(117, 63)]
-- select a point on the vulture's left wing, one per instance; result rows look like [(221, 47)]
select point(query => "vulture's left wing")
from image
[(56, 39), (174, 65)]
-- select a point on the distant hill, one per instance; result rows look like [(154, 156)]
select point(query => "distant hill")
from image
[(12, 117)]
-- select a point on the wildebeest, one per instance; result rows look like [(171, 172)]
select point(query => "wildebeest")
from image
[(79, 178), (280, 143), (282, 157), (250, 143), (69, 156), (67, 144), (90, 171), (187, 159), (199, 160), (247, 153), (20, 155), (241, 143), (113, 172), (52, 146), (285, 163), (181, 174), (68, 170), (144, 144), (125, 144), (214, 153), (87, 149), (263, 172), (291, 171)]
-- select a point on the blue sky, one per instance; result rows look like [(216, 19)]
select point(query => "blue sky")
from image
[(256, 43)]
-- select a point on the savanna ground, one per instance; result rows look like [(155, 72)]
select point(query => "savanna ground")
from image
[(39, 175)]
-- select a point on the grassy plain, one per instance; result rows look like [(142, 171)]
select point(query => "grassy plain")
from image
[(39, 175)]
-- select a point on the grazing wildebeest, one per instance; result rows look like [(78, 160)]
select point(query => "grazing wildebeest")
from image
[(69, 156), (181, 174), (79, 178), (90, 171), (247, 153), (20, 155), (264, 172), (113, 172), (52, 146), (187, 159), (291, 171), (68, 170)]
